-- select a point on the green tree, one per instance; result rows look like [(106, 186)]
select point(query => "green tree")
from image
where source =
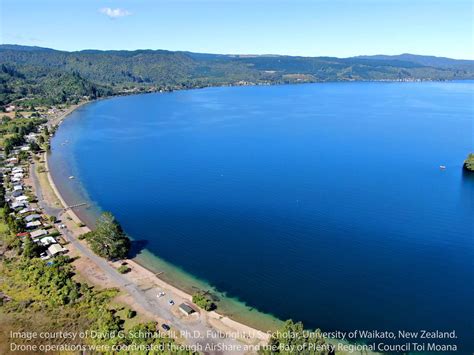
[(204, 301), (30, 249), (108, 239), (469, 162), (34, 147)]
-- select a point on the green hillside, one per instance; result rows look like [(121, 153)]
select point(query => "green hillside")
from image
[(58, 76)]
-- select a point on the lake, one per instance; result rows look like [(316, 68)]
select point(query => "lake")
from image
[(323, 203)]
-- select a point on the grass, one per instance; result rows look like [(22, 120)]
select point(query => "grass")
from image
[(3, 226)]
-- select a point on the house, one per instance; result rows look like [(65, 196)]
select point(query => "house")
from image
[(47, 241), (26, 210), (21, 198), (24, 234), (56, 249), (32, 217), (38, 233), (16, 205), (18, 176), (32, 225), (186, 309), (18, 188), (17, 193), (31, 137)]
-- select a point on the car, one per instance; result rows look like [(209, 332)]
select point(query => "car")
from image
[(165, 326), (171, 302), (160, 294)]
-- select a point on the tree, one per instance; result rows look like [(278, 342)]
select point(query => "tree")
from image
[(469, 162), (108, 239), (30, 249), (203, 301), (34, 147)]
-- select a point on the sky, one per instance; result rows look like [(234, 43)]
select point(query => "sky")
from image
[(340, 28)]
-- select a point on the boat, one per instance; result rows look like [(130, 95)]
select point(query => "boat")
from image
[(442, 167), (71, 177)]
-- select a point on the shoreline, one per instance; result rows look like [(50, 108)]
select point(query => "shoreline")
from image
[(142, 270)]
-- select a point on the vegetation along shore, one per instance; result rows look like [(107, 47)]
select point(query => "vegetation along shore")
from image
[(469, 163)]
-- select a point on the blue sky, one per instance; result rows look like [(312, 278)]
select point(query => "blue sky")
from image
[(296, 27)]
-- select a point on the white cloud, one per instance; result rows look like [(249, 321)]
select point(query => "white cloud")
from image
[(114, 13)]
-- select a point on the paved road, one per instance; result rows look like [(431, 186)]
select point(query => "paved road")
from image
[(145, 298)]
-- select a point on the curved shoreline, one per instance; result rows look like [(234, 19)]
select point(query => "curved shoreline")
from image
[(261, 335)]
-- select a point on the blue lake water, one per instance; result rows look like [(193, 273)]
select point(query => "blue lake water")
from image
[(322, 203)]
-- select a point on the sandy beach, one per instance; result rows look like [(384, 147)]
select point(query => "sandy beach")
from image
[(139, 287)]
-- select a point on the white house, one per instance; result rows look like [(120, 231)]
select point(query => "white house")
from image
[(17, 204), (26, 210), (47, 241), (33, 224)]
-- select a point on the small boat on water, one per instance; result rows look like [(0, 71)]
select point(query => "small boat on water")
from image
[(442, 167), (71, 177)]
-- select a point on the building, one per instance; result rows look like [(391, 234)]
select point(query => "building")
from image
[(17, 193), (186, 309), (56, 249), (26, 210), (38, 233), (17, 204), (32, 217), (47, 241), (32, 225), (21, 198)]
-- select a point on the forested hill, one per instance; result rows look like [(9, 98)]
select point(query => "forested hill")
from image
[(426, 60), (53, 76)]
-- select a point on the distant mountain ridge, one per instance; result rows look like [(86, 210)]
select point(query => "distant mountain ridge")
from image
[(58, 76), (426, 60)]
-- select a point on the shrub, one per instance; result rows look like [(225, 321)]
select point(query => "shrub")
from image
[(131, 313), (123, 269), (204, 301)]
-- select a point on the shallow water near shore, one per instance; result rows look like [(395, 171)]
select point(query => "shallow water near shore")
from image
[(323, 203)]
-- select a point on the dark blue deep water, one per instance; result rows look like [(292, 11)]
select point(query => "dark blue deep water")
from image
[(323, 203)]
